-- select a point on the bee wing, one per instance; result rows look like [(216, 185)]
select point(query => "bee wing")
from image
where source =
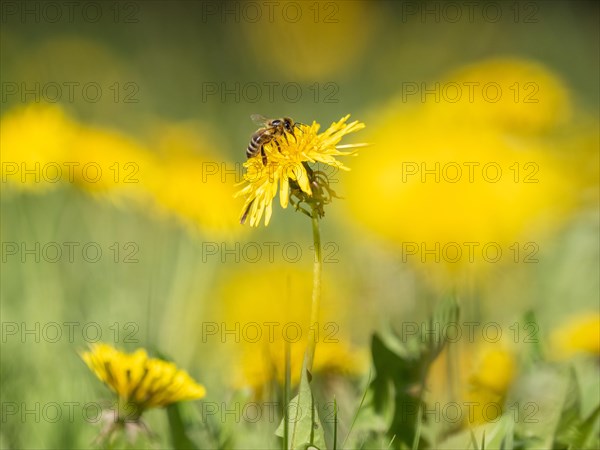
[(259, 119)]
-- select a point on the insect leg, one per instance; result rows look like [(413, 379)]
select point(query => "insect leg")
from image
[(264, 156)]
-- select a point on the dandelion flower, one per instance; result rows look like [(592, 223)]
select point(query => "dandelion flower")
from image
[(347, 27), (35, 139), (195, 183), (278, 316), (478, 376), (140, 382), (492, 375), (431, 179), (112, 164), (531, 100), (262, 364), (580, 334), (287, 170)]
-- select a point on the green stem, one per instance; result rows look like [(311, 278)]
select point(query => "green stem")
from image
[(287, 388), (316, 295)]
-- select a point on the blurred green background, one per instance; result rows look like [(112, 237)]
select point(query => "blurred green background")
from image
[(164, 272)]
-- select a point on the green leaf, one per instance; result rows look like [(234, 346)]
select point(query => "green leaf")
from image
[(508, 440), (367, 425), (445, 313), (488, 436), (400, 372), (179, 437), (531, 327), (304, 427), (556, 420), (335, 423), (588, 431), (397, 385), (473, 439), (572, 430), (566, 429)]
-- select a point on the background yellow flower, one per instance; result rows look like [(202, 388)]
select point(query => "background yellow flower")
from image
[(320, 41), (196, 183), (475, 376), (269, 305), (113, 164), (579, 334), (35, 140), (448, 173), (517, 96)]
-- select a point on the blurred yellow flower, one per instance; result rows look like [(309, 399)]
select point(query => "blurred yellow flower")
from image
[(141, 382), (35, 140), (287, 168), (450, 179), (111, 163), (263, 364), (196, 185), (276, 310), (42, 147), (491, 376), (516, 95), (580, 334), (301, 28), (482, 376)]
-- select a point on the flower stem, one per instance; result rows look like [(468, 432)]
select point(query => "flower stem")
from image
[(316, 295)]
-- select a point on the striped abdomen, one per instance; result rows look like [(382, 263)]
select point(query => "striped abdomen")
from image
[(258, 139)]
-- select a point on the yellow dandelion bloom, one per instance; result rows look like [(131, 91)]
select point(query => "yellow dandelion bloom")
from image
[(195, 185), (42, 147), (347, 27), (491, 376), (111, 163), (276, 314), (264, 363), (287, 168), (482, 376), (447, 175), (516, 95), (580, 334), (35, 140), (141, 382)]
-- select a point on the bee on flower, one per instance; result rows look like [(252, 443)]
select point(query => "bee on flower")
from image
[(279, 160)]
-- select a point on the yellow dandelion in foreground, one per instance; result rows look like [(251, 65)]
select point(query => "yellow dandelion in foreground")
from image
[(287, 170), (140, 382)]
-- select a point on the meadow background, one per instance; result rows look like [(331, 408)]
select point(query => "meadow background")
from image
[(178, 83)]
